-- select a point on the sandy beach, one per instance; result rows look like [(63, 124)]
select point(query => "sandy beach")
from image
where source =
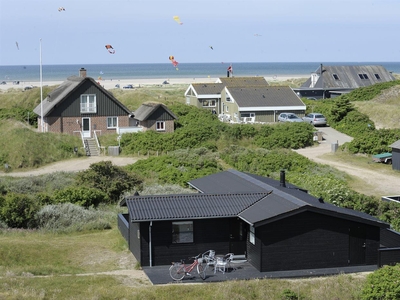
[(111, 84)]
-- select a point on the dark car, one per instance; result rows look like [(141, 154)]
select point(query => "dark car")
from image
[(128, 86), (315, 119), (3, 82), (28, 87), (289, 117)]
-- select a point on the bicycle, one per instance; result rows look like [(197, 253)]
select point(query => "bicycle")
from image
[(178, 271)]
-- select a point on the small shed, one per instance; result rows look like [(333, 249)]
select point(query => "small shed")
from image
[(395, 155)]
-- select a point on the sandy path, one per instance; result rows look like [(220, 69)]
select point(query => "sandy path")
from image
[(73, 165), (376, 182)]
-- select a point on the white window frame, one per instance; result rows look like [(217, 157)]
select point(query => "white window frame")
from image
[(88, 103), (182, 232), (114, 122), (252, 235), (209, 103), (160, 125), (247, 115)]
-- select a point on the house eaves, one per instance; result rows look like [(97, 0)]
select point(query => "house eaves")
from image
[(258, 97), (189, 206), (66, 88)]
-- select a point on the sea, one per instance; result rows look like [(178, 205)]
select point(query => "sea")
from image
[(166, 71)]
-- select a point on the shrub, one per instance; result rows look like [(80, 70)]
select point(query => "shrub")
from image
[(80, 196), (18, 211), (111, 180), (383, 284), (68, 217)]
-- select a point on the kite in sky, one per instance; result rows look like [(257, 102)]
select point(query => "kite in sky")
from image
[(211, 47), (16, 43), (174, 62), (61, 9), (110, 49), (176, 18)]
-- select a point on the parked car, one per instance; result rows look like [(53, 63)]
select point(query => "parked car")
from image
[(117, 86), (3, 82), (128, 86), (289, 117), (28, 87), (315, 119)]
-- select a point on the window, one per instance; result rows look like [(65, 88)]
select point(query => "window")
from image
[(228, 99), (160, 125), (363, 76), (247, 115), (252, 235), (226, 109), (209, 103), (335, 76), (182, 232), (377, 76), (112, 122), (88, 103)]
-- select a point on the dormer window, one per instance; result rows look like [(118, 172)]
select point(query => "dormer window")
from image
[(335, 76)]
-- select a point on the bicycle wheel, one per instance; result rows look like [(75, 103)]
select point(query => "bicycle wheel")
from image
[(177, 271), (201, 269)]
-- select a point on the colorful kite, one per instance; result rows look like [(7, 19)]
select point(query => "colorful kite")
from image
[(174, 62), (176, 18), (110, 49), (61, 9)]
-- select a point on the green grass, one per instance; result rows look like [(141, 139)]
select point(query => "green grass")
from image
[(41, 253)]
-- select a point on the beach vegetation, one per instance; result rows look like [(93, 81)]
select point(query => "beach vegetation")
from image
[(343, 115), (63, 209)]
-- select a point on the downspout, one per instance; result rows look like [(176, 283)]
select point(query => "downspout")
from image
[(150, 252)]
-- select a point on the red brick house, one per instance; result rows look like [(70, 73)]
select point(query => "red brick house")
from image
[(81, 105)]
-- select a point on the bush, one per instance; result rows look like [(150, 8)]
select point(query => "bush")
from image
[(383, 284), (69, 217), (82, 196), (112, 180), (18, 211)]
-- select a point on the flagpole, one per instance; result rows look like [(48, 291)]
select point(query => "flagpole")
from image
[(41, 89)]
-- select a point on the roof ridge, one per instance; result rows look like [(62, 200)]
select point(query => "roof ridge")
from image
[(265, 186)]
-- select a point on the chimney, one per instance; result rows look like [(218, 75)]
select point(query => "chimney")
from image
[(282, 179), (82, 73)]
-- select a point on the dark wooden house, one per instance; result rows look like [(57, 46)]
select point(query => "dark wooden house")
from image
[(277, 226), (333, 81), (154, 116), (81, 105), (395, 155)]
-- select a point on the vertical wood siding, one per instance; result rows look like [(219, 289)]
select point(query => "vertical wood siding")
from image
[(310, 240)]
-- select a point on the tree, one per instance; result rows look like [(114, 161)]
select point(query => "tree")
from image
[(110, 179), (340, 109)]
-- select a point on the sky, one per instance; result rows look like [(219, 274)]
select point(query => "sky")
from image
[(144, 31)]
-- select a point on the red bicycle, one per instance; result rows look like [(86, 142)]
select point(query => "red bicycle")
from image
[(178, 270)]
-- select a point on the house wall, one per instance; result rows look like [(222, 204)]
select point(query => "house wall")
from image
[(395, 159), (72, 124), (159, 115), (310, 240), (63, 119), (208, 234), (135, 240)]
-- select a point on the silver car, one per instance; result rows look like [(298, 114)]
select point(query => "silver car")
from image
[(289, 117), (316, 119)]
